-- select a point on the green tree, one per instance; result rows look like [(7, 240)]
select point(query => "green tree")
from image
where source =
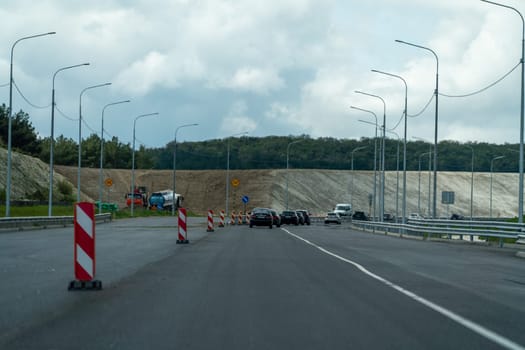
[(91, 151), (23, 135)]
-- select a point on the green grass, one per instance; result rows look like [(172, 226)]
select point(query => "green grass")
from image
[(42, 210), (37, 210)]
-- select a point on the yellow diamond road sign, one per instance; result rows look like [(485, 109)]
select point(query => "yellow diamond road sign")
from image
[(235, 182)]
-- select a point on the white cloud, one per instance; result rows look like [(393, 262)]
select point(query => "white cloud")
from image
[(256, 80), (237, 120)]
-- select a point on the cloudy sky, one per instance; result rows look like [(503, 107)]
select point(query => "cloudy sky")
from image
[(286, 67)]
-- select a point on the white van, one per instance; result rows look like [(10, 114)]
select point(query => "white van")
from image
[(343, 209)]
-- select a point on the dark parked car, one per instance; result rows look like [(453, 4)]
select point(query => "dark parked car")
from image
[(457, 217), (289, 217), (301, 217), (261, 217), (388, 217), (276, 218), (360, 215), (306, 215)]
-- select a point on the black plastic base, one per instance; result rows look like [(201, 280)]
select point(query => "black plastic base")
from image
[(208, 230), (182, 241), (85, 285)]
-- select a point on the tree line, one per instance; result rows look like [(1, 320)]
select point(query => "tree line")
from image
[(259, 152)]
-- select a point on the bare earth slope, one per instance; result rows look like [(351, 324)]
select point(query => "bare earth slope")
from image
[(316, 190)]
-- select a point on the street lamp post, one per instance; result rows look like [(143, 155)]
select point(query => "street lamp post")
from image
[(471, 185), (133, 158), (175, 166), (491, 171), (228, 169), (375, 157), (397, 173), (80, 134), (520, 186), (419, 184), (382, 163), (102, 153), (429, 171), (404, 142), (9, 124), (352, 180), (436, 93), (287, 167), (52, 137)]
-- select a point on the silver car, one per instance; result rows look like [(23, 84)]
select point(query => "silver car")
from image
[(332, 217)]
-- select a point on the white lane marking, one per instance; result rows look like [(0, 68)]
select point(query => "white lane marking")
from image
[(476, 328)]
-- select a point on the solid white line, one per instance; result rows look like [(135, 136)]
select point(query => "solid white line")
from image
[(476, 328)]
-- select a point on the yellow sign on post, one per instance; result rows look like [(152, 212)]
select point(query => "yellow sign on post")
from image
[(235, 182), (108, 182)]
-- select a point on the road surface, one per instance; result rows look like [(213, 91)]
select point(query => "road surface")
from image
[(294, 287)]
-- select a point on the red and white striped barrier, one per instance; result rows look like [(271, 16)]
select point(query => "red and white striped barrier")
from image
[(221, 219), (240, 218), (234, 219), (183, 233), (84, 226), (210, 221)]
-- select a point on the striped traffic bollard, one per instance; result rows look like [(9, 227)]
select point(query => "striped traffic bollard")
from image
[(232, 222), (84, 226), (210, 221), (183, 233), (240, 218), (221, 219)]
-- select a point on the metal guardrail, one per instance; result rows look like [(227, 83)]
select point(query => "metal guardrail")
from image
[(20, 223), (449, 228)]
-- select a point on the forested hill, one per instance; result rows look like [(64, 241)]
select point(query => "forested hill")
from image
[(260, 152), (329, 153)]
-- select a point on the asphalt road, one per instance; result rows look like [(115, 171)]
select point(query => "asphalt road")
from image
[(305, 287)]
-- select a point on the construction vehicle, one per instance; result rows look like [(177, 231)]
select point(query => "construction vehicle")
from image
[(164, 200), (139, 197)]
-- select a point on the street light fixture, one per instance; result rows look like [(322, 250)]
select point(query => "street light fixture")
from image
[(102, 153), (375, 157), (133, 157), (52, 138), (9, 125), (436, 93), (352, 180), (520, 186), (80, 134), (404, 141), (491, 171), (175, 165), (382, 163), (287, 166), (228, 169)]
